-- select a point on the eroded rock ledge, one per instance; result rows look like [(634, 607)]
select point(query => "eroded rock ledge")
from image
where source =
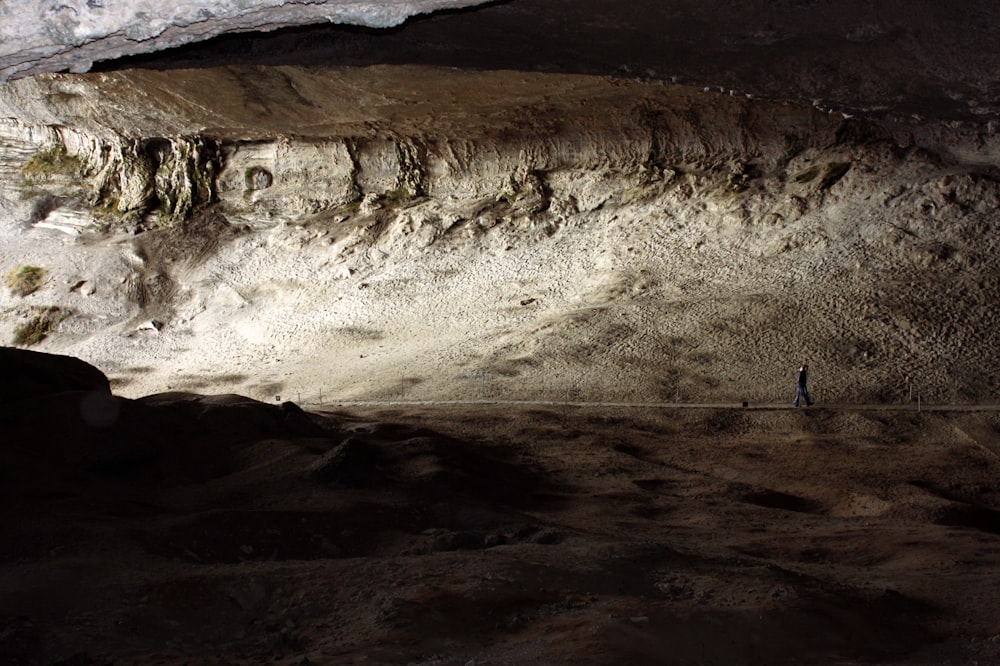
[(148, 148)]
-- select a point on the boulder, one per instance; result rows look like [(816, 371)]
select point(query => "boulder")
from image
[(30, 374), (351, 464)]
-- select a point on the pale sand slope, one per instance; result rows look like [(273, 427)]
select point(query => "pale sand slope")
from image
[(678, 290)]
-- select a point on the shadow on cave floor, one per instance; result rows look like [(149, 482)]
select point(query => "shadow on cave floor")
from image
[(194, 526)]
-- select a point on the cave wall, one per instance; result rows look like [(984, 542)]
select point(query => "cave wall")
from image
[(143, 148), (354, 183)]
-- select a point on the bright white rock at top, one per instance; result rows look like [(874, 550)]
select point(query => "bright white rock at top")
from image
[(56, 35)]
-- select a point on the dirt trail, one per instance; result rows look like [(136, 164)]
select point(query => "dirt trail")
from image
[(658, 405)]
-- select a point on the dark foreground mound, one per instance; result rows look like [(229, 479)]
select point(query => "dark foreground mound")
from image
[(29, 374), (183, 529), (178, 526)]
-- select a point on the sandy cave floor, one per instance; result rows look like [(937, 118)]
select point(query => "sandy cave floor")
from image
[(637, 308), (513, 535)]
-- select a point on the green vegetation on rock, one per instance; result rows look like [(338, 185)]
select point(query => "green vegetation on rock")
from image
[(49, 175), (38, 327), (53, 161), (397, 198), (25, 280), (184, 178)]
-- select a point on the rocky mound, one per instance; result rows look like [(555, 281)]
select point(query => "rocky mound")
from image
[(30, 375), (189, 527)]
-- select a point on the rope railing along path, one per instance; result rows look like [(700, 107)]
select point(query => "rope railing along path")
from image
[(846, 407)]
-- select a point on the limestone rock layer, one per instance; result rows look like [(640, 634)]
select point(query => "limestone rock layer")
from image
[(321, 139)]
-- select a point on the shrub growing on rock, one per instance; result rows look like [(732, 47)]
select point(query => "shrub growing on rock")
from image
[(25, 280), (53, 161), (38, 327)]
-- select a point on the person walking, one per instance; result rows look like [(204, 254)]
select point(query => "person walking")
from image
[(801, 386)]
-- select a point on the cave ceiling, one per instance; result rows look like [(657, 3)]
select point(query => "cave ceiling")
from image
[(46, 35), (912, 59)]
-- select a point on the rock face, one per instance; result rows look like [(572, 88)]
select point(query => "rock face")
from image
[(44, 36), (319, 149), (541, 262), (311, 144), (410, 231)]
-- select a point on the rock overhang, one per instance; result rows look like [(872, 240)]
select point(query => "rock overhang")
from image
[(472, 101), (44, 36), (916, 60)]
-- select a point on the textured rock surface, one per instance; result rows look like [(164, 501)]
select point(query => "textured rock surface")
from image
[(43, 35), (387, 231), (637, 217), (317, 147), (285, 142)]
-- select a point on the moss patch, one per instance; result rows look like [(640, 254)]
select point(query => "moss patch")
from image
[(53, 161), (38, 327), (25, 280), (397, 198)]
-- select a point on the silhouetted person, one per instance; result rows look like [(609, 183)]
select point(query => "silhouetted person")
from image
[(801, 386)]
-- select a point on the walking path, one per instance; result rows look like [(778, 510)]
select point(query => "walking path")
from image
[(844, 407)]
